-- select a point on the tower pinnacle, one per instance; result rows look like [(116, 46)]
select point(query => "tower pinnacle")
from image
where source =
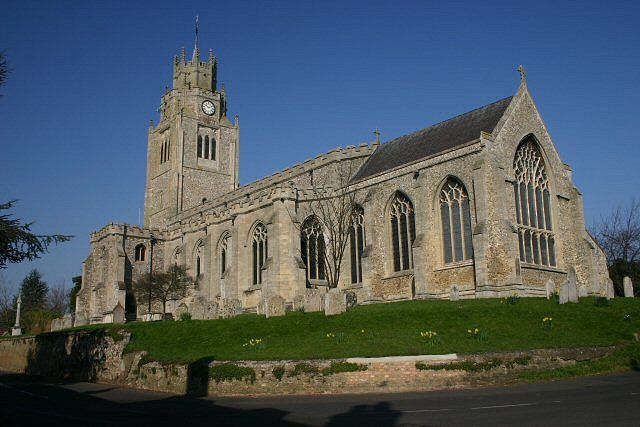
[(196, 49)]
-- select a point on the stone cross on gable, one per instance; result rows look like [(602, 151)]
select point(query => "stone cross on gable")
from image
[(523, 72), (376, 132)]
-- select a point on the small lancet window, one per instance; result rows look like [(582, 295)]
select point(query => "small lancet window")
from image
[(199, 152), (140, 252), (198, 259), (403, 232), (206, 147), (357, 243), (456, 222), (259, 252), (224, 247), (312, 248)]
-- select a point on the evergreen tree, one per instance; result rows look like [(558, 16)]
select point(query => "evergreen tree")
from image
[(33, 291)]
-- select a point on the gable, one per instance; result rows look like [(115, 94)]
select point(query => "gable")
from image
[(434, 139)]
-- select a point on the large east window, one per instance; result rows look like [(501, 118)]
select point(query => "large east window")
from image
[(533, 206)]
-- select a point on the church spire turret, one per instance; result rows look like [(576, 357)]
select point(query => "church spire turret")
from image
[(196, 48)]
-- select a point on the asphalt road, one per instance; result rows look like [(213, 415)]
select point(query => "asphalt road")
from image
[(606, 400)]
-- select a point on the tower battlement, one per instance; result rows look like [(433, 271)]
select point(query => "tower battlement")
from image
[(195, 73)]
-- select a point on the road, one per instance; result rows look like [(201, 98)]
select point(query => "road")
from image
[(605, 400)]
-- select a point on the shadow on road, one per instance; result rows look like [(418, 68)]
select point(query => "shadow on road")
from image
[(30, 401)]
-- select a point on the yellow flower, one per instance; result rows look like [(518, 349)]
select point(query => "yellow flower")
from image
[(469, 331)]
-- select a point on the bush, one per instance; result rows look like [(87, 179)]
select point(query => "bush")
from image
[(230, 372), (602, 302), (304, 368), (185, 316), (338, 367), (278, 372), (513, 299)]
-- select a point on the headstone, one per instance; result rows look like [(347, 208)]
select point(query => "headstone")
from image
[(627, 284), (352, 299), (80, 319), (313, 300), (147, 317), (572, 286), (56, 324), (298, 302), (564, 293), (118, 313), (230, 307), (182, 309), (549, 288), (335, 302), (609, 290), (157, 316), (198, 308), (273, 306), (67, 321), (454, 293)]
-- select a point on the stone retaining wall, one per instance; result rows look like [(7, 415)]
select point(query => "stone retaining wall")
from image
[(97, 356)]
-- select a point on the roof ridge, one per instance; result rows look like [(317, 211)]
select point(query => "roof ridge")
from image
[(453, 118)]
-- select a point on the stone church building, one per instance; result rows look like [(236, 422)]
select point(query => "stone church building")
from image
[(481, 203)]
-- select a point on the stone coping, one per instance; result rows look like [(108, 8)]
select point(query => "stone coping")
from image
[(392, 359)]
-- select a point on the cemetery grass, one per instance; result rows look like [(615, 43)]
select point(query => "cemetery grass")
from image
[(392, 329)]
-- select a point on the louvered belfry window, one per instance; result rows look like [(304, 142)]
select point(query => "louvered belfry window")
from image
[(259, 249), (312, 247), (456, 222), (533, 206), (403, 232), (357, 243)]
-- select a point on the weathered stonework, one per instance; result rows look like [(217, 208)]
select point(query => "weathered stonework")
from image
[(196, 210)]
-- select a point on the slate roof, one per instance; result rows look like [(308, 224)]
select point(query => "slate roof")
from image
[(433, 139)]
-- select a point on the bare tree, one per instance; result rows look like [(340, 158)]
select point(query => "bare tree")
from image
[(174, 284), (332, 204), (619, 233), (7, 312), (4, 69), (58, 298)]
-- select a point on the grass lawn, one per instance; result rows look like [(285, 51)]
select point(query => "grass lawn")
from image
[(391, 329)]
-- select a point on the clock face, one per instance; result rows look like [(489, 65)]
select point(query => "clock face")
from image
[(208, 108)]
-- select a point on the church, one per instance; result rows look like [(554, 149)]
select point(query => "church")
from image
[(480, 205)]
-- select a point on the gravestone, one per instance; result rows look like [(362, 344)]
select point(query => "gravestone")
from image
[(549, 288), (298, 301), (118, 313), (572, 286), (81, 319), (229, 307), (454, 293), (182, 309), (67, 321), (313, 300), (609, 290), (627, 284), (56, 324), (199, 308), (273, 306), (335, 302), (564, 293), (352, 299)]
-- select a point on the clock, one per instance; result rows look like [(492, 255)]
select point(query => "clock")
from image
[(208, 108)]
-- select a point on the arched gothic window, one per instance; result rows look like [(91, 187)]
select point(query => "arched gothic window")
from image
[(224, 250), (456, 222), (533, 206), (357, 243), (198, 259), (206, 146), (213, 148), (140, 252), (403, 232), (259, 250), (199, 153), (312, 247)]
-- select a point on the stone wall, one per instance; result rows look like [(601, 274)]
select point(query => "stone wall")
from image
[(95, 356)]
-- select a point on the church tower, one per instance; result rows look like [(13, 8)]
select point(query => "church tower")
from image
[(192, 154)]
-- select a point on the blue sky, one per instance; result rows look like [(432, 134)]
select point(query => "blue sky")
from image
[(305, 77)]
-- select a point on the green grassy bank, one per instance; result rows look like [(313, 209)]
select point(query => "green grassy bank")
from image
[(392, 329)]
